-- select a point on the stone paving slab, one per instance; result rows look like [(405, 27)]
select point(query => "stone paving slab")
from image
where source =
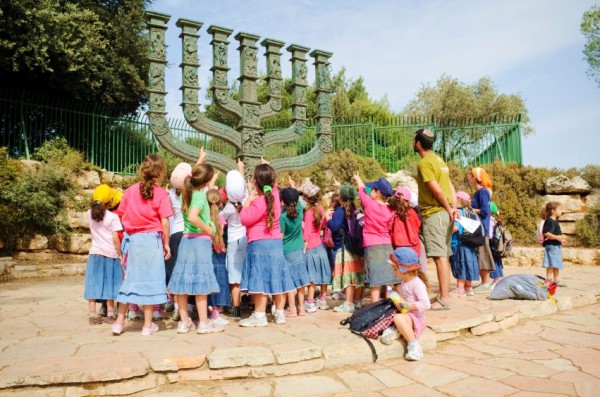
[(45, 340)]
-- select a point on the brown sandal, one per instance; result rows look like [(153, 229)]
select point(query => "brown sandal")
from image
[(95, 320)]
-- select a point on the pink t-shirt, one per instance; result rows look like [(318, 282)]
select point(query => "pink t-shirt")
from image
[(414, 291), (102, 234), (310, 233), (142, 216), (254, 217), (378, 220)]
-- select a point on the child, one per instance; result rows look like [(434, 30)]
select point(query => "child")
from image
[(463, 262), (265, 271), (223, 298), (413, 291), (495, 220), (193, 273), (235, 186), (315, 257), (146, 211), (480, 203), (348, 268), (553, 242), (333, 235), (103, 274), (293, 249), (376, 232), (406, 223)]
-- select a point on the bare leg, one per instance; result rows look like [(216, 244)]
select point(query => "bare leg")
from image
[(311, 291), (301, 296), (202, 308), (182, 306), (323, 289), (110, 307), (279, 300), (404, 324), (291, 299), (350, 294), (121, 313), (147, 315), (485, 276), (555, 274), (442, 266), (260, 302), (550, 274), (92, 305), (235, 294), (375, 294), (460, 284)]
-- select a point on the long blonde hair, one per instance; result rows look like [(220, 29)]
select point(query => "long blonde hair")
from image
[(214, 200)]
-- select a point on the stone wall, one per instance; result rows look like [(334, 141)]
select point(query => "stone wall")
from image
[(574, 196)]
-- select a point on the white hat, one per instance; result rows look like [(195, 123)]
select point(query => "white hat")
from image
[(235, 186)]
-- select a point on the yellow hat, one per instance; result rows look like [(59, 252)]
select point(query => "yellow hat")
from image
[(107, 196)]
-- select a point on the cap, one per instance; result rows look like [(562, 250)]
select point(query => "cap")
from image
[(405, 258), (311, 190), (463, 195), (347, 192), (289, 195), (107, 196), (383, 185), (235, 186), (494, 208), (180, 172), (404, 193)]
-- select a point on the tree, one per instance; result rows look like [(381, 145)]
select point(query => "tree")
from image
[(90, 50), (590, 27)]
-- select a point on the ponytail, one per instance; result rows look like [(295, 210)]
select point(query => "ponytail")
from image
[(214, 200), (270, 211), (98, 211), (152, 169), (400, 206), (313, 203), (186, 194), (349, 208), (292, 210)]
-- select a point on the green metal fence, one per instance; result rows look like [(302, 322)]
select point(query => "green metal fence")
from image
[(118, 144)]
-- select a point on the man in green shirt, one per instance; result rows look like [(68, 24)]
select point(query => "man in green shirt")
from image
[(437, 204)]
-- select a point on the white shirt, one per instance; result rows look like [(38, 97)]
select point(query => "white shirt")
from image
[(235, 229), (177, 225)]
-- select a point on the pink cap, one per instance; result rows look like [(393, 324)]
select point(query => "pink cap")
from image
[(403, 192), (463, 195), (180, 172)]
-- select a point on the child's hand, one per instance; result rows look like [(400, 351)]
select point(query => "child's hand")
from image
[(291, 182), (336, 183), (329, 214), (263, 160), (201, 156), (240, 166), (167, 251), (213, 180)]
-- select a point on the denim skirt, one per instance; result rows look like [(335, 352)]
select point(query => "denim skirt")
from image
[(265, 269), (553, 257), (236, 256), (194, 273), (103, 277), (378, 271), (317, 265), (144, 282), (295, 262), (223, 297), (464, 263)]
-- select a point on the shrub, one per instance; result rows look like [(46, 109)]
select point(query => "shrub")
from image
[(591, 173), (588, 228), (57, 151)]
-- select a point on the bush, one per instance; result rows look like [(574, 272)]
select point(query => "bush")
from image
[(57, 151), (591, 173), (588, 228)]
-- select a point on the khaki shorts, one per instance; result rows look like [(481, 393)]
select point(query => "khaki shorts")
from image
[(437, 233)]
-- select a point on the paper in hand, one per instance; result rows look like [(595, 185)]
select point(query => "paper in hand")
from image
[(470, 225)]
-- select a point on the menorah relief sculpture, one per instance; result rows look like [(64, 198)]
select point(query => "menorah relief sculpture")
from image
[(249, 138)]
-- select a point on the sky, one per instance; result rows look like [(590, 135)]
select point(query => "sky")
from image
[(531, 48)]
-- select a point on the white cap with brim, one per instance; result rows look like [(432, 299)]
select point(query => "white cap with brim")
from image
[(235, 186)]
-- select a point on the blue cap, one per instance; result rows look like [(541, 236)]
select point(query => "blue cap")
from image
[(407, 259), (383, 185)]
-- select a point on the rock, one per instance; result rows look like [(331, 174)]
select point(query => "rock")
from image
[(572, 217), (31, 165), (77, 243), (295, 351), (88, 179), (568, 203), (563, 185), (593, 198), (403, 178), (230, 357), (107, 177), (77, 220), (38, 242), (567, 228), (485, 328)]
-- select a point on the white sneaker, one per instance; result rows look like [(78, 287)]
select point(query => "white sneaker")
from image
[(253, 321), (209, 327), (220, 321), (279, 317), (322, 304), (389, 335), (310, 307), (183, 328), (415, 351), (483, 289), (339, 296)]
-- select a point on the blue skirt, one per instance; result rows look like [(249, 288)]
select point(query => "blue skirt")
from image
[(499, 272), (553, 257), (223, 297), (103, 277), (194, 273), (144, 282), (464, 263), (265, 269), (317, 265), (377, 269), (298, 272)]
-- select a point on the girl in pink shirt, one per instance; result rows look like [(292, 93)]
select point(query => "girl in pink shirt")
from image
[(315, 257), (377, 204), (146, 210), (265, 271)]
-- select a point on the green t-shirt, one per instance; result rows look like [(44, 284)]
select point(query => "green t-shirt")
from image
[(292, 231), (198, 201), (432, 168)]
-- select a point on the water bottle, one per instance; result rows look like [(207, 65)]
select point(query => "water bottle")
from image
[(396, 299)]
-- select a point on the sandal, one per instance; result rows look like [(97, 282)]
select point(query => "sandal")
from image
[(443, 305), (95, 320), (109, 319)]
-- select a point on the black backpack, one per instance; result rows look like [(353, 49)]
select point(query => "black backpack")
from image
[(371, 320), (353, 237), (477, 238)]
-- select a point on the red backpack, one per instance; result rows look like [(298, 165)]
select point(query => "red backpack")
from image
[(403, 232)]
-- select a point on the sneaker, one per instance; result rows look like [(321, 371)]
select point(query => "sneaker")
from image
[(469, 291), (358, 304), (311, 307), (253, 321), (322, 304), (389, 335), (279, 318), (291, 312), (118, 329), (209, 327), (415, 351), (220, 321), (184, 328), (156, 315), (170, 307), (135, 315), (151, 330), (345, 307), (339, 296), (457, 293), (483, 288)]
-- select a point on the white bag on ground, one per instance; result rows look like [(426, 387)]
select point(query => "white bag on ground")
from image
[(520, 286)]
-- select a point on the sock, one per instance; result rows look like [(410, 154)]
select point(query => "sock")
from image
[(279, 312), (414, 342), (216, 312), (323, 297), (176, 306), (259, 315), (310, 300)]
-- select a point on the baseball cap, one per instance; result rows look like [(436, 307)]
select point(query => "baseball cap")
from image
[(180, 172), (347, 192), (107, 196), (463, 195), (383, 185), (404, 193), (405, 258), (494, 208), (311, 190)]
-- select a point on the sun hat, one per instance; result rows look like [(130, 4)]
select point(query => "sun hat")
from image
[(403, 192), (463, 195), (405, 258), (347, 192), (311, 190), (180, 172), (494, 208), (235, 186), (289, 195), (107, 196), (382, 185)]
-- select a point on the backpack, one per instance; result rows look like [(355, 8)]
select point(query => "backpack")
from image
[(371, 320), (502, 241), (401, 233), (353, 237), (539, 235), (477, 238)]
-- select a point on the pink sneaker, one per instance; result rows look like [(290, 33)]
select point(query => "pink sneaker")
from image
[(118, 329), (457, 293), (151, 330)]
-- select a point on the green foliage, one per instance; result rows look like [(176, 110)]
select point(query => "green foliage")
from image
[(591, 174), (590, 27), (588, 228), (9, 170), (58, 151), (88, 49)]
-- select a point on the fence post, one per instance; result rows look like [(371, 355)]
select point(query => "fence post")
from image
[(22, 128), (372, 138), (93, 135)]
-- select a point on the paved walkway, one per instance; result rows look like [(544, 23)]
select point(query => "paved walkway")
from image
[(48, 348)]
